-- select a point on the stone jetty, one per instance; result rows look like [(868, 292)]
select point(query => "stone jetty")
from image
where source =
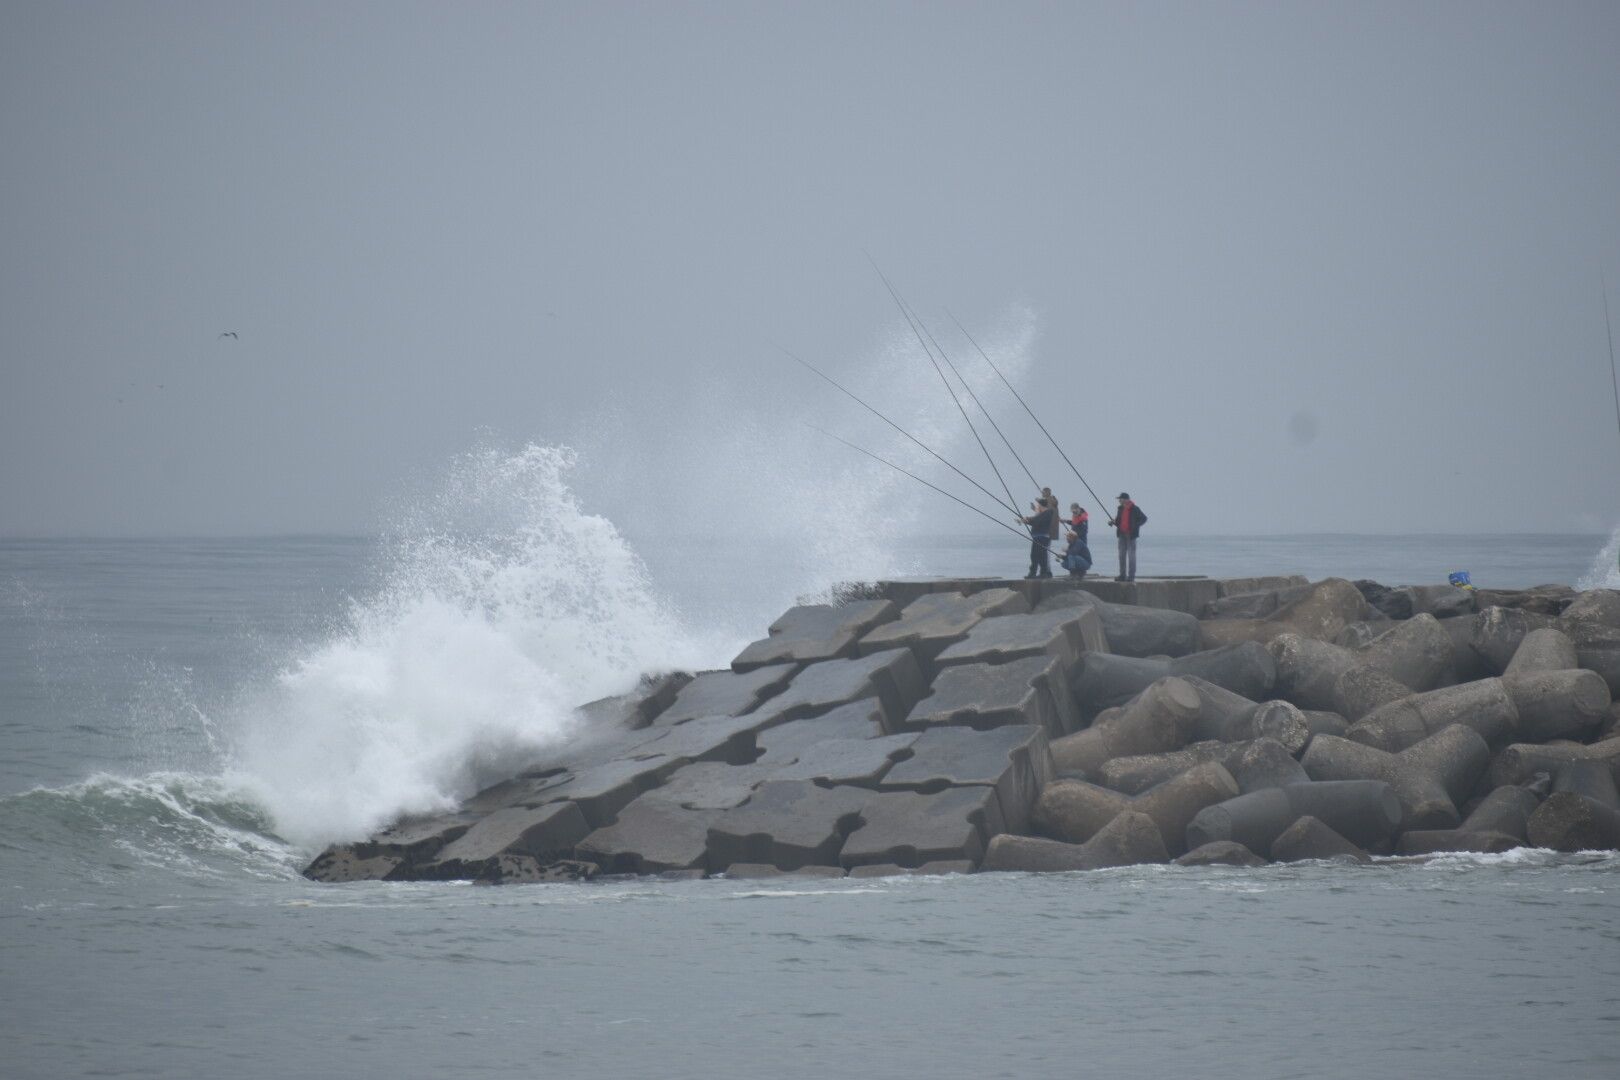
[(968, 725)]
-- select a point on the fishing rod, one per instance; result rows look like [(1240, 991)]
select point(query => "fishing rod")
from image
[(901, 304), (1027, 409), (875, 457), (1613, 378), (969, 388), (851, 395)]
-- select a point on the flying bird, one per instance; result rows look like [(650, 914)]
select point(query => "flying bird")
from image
[(230, 334)]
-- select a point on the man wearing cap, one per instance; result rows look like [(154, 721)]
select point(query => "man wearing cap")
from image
[(1127, 525)]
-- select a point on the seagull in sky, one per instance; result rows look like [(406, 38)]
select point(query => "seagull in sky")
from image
[(230, 334)]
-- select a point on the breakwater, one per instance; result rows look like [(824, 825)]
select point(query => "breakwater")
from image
[(961, 725)]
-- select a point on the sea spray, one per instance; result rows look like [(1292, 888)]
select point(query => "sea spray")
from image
[(504, 606)]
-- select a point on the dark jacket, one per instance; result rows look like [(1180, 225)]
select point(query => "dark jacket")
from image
[(1132, 527), (1043, 523)]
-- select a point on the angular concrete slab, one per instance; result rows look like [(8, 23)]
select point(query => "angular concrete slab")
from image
[(342, 863), (419, 839), (651, 836), (783, 744), (1062, 633), (931, 623), (856, 762), (1033, 691), (652, 695), (725, 693), (891, 676), (603, 790), (710, 738), (759, 871), (527, 870), (1015, 761), (814, 632), (518, 791), (544, 832), (710, 785), (788, 824), (910, 828), (931, 869)]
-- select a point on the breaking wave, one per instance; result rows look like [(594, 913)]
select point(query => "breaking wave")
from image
[(1605, 572)]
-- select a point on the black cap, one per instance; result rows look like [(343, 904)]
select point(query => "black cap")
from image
[(1124, 495)]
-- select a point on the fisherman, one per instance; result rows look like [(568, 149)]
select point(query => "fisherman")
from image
[(1077, 556), (1127, 525), (1042, 524)]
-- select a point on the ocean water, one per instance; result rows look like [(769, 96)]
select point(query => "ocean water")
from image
[(183, 723)]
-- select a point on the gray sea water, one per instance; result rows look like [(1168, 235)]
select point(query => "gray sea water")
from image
[(184, 722)]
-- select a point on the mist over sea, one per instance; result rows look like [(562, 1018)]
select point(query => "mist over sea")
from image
[(186, 721)]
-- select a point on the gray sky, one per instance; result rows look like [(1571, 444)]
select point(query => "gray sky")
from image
[(1291, 267)]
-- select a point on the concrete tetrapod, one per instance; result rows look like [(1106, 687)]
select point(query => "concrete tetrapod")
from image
[(1497, 824), (1519, 763), (1365, 812), (1228, 717), (1310, 838), (1220, 853), (1571, 704), (1128, 840), (1500, 631), (1075, 811), (1546, 649), (1103, 680), (1485, 706), (1415, 653), (1428, 778), (1324, 610), (1582, 813), (1160, 718), (1318, 675), (1256, 764)]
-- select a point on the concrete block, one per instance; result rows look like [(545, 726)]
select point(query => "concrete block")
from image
[(786, 743), (1318, 675), (1220, 853), (1101, 680), (1228, 717), (1429, 778), (651, 836), (1160, 718), (1015, 761), (788, 824), (545, 832), (1589, 778), (811, 633), (891, 676), (726, 693), (732, 739), (1546, 649), (1604, 661), (710, 785), (1415, 653), (910, 828), (1032, 691), (1592, 609), (944, 866), (1322, 722), (1309, 838), (1128, 840), (518, 791), (420, 839), (601, 791), (1074, 811), (930, 623), (527, 870), (761, 871), (1365, 812), (1063, 633), (1466, 664), (652, 695), (1239, 586), (855, 762), (341, 863), (1484, 706), (1130, 630)]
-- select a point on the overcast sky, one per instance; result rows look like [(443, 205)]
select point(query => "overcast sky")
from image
[(1287, 267)]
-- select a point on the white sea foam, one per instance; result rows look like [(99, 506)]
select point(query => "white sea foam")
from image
[(1605, 572), (504, 607)]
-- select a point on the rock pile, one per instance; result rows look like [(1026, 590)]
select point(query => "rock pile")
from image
[(976, 724)]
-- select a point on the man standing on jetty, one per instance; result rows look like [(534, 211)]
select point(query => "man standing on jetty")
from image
[(1127, 526)]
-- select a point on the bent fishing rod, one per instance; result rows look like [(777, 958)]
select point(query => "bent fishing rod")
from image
[(990, 517), (936, 455), (1614, 379), (1029, 410), (906, 314)]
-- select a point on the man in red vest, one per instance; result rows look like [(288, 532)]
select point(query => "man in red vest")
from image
[(1127, 526)]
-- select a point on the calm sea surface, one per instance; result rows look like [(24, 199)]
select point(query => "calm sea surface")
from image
[(182, 723)]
